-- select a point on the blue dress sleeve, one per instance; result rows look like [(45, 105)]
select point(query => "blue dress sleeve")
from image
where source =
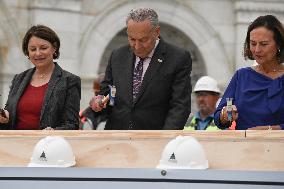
[(229, 93), (258, 98)]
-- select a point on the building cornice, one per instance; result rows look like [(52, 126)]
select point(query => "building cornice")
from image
[(260, 6), (246, 11)]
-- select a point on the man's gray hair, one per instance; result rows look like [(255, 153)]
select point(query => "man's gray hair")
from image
[(142, 14)]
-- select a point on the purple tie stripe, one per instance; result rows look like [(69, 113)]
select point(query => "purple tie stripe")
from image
[(137, 78)]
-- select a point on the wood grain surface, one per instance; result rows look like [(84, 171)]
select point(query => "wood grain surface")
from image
[(229, 150)]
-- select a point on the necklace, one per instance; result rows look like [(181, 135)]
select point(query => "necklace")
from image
[(42, 76), (46, 72), (273, 69), (276, 70)]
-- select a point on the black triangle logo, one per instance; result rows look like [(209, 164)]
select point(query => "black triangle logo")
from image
[(173, 157), (42, 155)]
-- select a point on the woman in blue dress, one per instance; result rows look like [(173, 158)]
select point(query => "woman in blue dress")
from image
[(257, 91)]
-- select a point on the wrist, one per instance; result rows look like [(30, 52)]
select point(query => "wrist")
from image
[(222, 115)]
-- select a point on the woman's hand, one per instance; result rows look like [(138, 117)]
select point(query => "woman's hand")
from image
[(266, 127), (4, 118), (48, 128), (224, 115)]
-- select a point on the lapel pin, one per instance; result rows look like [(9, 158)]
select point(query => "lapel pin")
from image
[(160, 60)]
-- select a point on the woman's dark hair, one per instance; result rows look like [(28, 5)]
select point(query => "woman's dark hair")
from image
[(271, 23), (42, 32)]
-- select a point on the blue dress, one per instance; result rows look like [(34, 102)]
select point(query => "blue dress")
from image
[(258, 98)]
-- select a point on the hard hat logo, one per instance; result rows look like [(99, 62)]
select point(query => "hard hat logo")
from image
[(183, 152), (52, 151), (42, 157), (173, 158)]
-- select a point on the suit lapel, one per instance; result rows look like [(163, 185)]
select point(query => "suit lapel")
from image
[(157, 61), (128, 70), (51, 85)]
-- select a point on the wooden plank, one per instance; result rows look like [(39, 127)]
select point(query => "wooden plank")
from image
[(126, 134), (229, 150), (265, 134)]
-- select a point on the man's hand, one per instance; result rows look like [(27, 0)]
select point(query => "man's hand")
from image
[(99, 102)]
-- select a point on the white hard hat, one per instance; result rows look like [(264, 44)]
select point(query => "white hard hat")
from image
[(52, 151), (206, 83), (183, 152)]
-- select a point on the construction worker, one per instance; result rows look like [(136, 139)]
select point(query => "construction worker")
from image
[(207, 94)]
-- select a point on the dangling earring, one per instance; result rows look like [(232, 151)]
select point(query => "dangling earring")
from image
[(278, 55)]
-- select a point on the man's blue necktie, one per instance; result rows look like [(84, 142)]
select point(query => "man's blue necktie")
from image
[(137, 78)]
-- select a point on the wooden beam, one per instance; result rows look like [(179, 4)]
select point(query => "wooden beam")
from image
[(230, 150)]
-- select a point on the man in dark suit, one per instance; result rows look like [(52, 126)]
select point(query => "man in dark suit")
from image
[(151, 78)]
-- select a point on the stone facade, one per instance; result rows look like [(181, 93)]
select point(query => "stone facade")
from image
[(212, 30)]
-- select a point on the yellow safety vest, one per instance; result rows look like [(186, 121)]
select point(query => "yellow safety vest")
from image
[(193, 125)]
